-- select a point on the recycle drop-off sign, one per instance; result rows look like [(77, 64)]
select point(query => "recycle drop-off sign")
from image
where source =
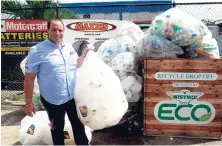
[(184, 108)]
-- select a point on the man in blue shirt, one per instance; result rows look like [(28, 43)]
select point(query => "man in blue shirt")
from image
[(55, 65)]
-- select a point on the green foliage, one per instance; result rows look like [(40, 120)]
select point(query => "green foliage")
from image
[(34, 10)]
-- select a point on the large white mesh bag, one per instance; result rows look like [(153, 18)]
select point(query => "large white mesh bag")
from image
[(153, 46), (132, 30), (36, 130), (99, 97), (112, 47), (132, 88), (123, 63), (178, 27)]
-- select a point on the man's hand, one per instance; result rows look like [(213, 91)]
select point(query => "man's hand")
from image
[(30, 110), (85, 51), (81, 59)]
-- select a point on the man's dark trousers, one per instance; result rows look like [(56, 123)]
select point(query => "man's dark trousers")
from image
[(56, 115)]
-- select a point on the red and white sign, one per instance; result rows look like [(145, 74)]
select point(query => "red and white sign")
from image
[(25, 25), (91, 26), (94, 32)]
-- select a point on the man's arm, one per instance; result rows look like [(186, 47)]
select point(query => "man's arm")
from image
[(31, 69), (28, 88)]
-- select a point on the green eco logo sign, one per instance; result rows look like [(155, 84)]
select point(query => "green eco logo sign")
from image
[(184, 109)]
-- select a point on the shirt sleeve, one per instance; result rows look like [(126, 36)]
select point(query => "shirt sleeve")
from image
[(33, 61)]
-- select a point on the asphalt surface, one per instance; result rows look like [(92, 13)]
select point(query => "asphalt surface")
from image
[(10, 124)]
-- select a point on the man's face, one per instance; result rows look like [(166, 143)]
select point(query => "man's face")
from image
[(56, 31)]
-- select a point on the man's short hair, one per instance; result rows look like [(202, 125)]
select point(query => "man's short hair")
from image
[(50, 21)]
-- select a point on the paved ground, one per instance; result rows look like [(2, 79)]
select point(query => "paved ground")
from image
[(12, 115)]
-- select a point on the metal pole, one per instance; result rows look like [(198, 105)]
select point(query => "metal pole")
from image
[(174, 4), (57, 9), (120, 16)]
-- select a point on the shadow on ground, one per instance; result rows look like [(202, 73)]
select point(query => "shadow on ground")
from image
[(17, 143), (12, 118), (118, 136), (121, 136)]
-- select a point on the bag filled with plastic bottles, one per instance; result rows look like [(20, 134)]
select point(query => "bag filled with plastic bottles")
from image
[(97, 105)]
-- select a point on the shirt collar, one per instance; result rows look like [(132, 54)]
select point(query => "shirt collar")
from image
[(63, 43)]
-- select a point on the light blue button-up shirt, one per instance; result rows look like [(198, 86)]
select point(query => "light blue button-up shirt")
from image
[(56, 70)]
